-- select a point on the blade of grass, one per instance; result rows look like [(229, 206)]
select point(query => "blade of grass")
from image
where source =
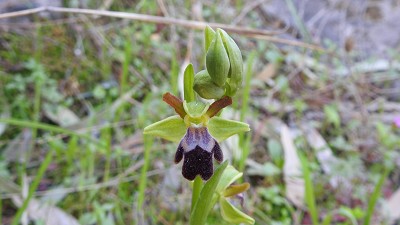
[(374, 197), (42, 169), (298, 21), (310, 198), (204, 203), (148, 142), (51, 128), (244, 139), (106, 137), (174, 74), (247, 85), (125, 66), (327, 220)]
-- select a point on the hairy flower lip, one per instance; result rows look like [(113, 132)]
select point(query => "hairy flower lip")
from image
[(198, 148)]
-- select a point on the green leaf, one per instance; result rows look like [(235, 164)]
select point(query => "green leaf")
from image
[(172, 128), (228, 177), (205, 87), (233, 215), (221, 129), (188, 80), (236, 61), (204, 203), (332, 115), (209, 35), (217, 61)]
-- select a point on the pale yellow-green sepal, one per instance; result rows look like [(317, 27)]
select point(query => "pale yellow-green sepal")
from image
[(221, 129), (172, 128)]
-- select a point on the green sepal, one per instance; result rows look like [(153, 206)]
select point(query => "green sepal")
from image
[(228, 177), (217, 61), (233, 215), (205, 87), (209, 35), (221, 129), (172, 128), (236, 62), (188, 80)]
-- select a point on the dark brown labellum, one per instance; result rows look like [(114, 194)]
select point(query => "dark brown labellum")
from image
[(198, 148)]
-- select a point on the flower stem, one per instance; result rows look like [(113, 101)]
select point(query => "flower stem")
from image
[(197, 186)]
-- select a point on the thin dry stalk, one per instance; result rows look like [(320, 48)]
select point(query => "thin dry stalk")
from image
[(249, 32)]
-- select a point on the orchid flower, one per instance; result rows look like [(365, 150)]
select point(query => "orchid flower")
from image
[(198, 131)]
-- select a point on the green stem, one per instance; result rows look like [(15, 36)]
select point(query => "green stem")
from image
[(197, 186), (33, 187), (204, 204)]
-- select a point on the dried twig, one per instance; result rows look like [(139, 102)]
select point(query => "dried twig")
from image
[(249, 32)]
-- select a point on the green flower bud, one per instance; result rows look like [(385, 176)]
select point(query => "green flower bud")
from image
[(205, 87), (209, 35), (217, 61), (236, 63)]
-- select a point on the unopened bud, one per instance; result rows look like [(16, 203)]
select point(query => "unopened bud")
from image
[(217, 61), (209, 35), (236, 63), (205, 87)]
